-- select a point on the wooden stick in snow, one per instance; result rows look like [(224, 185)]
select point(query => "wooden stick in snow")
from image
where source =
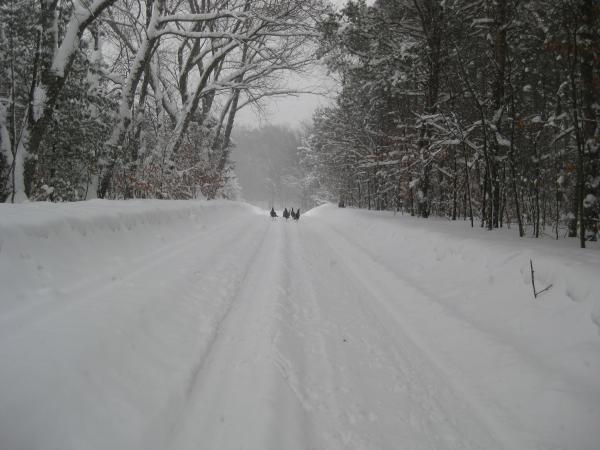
[(536, 293)]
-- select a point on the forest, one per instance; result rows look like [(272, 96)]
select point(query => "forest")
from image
[(482, 110), (123, 99), (485, 110)]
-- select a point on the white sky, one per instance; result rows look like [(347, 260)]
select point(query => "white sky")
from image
[(292, 110), (297, 109)]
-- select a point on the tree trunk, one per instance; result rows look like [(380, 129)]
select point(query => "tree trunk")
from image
[(498, 90), (454, 187), (55, 62), (589, 41)]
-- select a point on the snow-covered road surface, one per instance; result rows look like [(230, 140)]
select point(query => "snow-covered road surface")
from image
[(223, 329)]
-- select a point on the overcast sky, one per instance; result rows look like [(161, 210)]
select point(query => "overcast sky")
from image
[(293, 110)]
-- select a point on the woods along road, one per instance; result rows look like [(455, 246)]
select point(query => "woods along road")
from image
[(250, 333)]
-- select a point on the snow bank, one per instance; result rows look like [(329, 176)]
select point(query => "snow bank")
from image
[(106, 308), (43, 245), (473, 308), (495, 266)]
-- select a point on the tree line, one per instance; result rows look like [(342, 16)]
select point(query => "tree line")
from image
[(137, 98), (485, 110)]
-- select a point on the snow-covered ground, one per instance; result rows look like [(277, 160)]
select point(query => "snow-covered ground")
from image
[(206, 325)]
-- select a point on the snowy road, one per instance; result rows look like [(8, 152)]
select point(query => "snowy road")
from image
[(306, 357), (246, 333)]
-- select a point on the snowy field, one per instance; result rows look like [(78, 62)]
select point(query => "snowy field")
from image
[(206, 325)]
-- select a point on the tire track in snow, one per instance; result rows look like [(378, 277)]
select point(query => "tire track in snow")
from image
[(238, 398), (17, 322), (378, 289), (317, 384), (433, 412), (175, 419), (497, 377), (499, 341), (109, 349), (289, 359)]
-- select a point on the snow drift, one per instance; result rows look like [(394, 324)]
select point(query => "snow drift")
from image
[(471, 306), (48, 244), (180, 325), (104, 309)]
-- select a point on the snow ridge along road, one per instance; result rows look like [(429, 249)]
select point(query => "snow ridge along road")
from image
[(183, 325)]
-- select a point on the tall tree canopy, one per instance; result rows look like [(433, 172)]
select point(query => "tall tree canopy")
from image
[(487, 109), (122, 98)]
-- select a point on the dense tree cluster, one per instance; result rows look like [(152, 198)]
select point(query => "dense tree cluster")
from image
[(136, 98), (484, 109)]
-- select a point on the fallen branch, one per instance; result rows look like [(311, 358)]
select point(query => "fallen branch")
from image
[(536, 293)]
